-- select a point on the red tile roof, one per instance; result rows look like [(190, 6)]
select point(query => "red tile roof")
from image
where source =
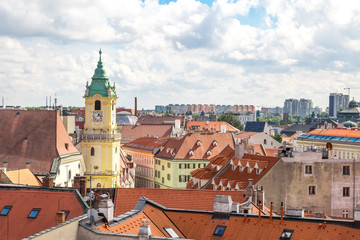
[(130, 132), (148, 144), (17, 225), (209, 126), (160, 120), (126, 198), (201, 225), (351, 133), (272, 152), (197, 144), (33, 136), (245, 134)]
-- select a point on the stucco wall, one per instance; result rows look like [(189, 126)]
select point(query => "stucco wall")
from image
[(287, 182)]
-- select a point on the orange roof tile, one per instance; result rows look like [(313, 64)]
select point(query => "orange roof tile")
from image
[(209, 126), (180, 148), (148, 144), (131, 132), (23, 176), (126, 198), (245, 134), (17, 225), (257, 148), (272, 152), (351, 133)]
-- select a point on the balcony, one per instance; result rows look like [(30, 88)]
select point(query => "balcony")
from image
[(101, 136)]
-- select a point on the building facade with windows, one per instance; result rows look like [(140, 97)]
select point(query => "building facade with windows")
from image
[(142, 151), (337, 101), (321, 186), (178, 157)]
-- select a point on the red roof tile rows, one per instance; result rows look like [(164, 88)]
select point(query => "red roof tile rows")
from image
[(132, 132), (148, 144), (196, 146), (209, 126)]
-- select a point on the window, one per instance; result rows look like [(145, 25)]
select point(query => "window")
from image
[(171, 232), (311, 190), (66, 213), (264, 141), (346, 170), (34, 213), (345, 214), (346, 191), (219, 231), (308, 169), (168, 177), (162, 180), (98, 185), (168, 165), (163, 167), (286, 234), (92, 152), (182, 178), (180, 166), (194, 165), (97, 105), (5, 211), (199, 165)]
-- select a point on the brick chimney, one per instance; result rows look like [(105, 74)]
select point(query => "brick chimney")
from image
[(48, 181), (28, 164), (239, 148), (80, 184), (60, 217)]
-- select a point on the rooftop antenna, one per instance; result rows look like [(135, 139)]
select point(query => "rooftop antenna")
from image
[(55, 104)]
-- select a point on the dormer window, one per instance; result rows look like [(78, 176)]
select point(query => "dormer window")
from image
[(191, 152), (208, 153), (198, 143), (286, 234), (215, 143)]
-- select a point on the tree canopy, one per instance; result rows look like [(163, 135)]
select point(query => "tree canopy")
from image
[(232, 120)]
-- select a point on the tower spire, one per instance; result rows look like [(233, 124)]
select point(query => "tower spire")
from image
[(100, 52)]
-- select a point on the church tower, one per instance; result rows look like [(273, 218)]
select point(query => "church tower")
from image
[(100, 138)]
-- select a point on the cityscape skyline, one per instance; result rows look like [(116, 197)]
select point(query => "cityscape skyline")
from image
[(208, 52)]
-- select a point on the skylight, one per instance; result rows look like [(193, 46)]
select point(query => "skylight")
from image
[(286, 234), (5, 211), (171, 232), (219, 231), (66, 212), (34, 212)]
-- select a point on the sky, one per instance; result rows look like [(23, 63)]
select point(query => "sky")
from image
[(257, 52)]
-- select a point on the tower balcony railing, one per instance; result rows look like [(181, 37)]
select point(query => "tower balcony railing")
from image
[(101, 136)]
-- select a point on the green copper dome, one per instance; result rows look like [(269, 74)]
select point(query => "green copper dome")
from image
[(100, 82), (353, 104)]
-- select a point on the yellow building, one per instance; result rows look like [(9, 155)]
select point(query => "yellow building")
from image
[(100, 139)]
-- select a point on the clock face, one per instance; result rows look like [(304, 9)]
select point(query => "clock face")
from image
[(97, 116)]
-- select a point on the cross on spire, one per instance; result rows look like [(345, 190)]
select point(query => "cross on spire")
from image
[(100, 52)]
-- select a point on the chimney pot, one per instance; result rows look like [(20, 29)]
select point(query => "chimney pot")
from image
[(60, 217)]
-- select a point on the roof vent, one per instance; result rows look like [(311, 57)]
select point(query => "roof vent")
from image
[(191, 152), (208, 153), (198, 143), (215, 143)]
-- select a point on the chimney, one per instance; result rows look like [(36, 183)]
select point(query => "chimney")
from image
[(136, 106), (260, 210), (223, 128), (48, 181), (60, 217), (239, 148), (271, 211), (222, 207), (80, 184), (106, 207), (282, 212), (5, 165), (145, 230)]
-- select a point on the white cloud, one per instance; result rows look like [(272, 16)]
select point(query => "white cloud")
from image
[(181, 52)]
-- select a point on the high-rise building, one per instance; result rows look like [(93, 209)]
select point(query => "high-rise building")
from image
[(305, 107), (336, 102), (291, 106)]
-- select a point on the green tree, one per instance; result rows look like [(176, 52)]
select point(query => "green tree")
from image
[(277, 137), (232, 120)]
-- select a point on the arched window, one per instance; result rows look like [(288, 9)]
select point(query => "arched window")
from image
[(97, 105), (92, 151), (98, 185)]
